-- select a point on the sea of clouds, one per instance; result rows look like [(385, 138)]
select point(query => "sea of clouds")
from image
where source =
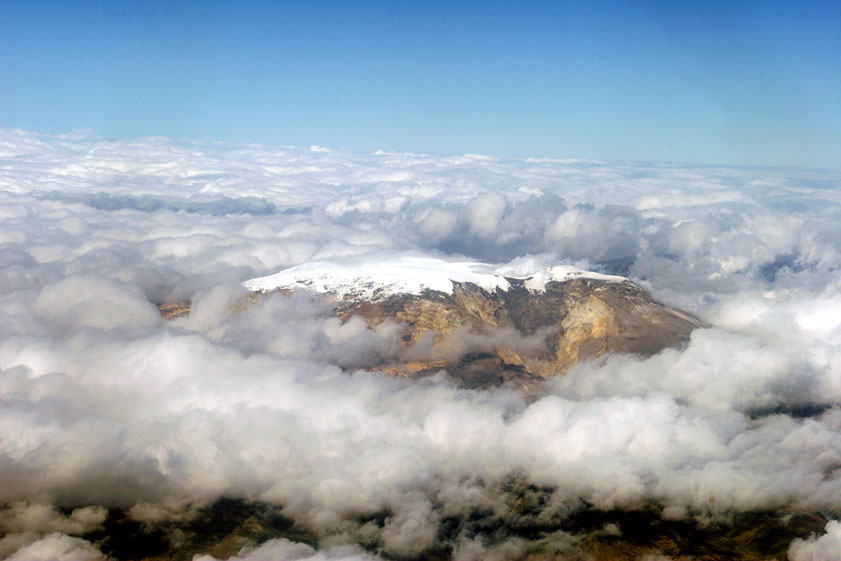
[(104, 404)]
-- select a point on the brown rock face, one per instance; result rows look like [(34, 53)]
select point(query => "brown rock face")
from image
[(521, 336), (174, 310), (516, 336)]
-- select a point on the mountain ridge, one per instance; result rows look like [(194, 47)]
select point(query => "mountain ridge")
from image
[(485, 325)]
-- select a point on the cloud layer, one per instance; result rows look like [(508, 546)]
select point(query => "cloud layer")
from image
[(104, 404)]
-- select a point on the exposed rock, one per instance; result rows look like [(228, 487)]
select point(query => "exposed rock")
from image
[(174, 310), (518, 335), (481, 326)]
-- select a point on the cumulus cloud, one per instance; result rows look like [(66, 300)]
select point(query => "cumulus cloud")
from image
[(284, 550), (90, 301), (824, 548), (23, 524), (58, 547), (483, 214), (103, 404)]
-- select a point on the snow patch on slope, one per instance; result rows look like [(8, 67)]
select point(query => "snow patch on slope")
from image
[(373, 278)]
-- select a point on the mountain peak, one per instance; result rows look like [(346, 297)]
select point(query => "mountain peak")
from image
[(376, 279), (489, 324)]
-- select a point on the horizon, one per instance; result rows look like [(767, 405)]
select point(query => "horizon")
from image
[(90, 135), (718, 84)]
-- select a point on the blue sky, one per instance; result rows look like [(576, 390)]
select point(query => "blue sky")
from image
[(730, 82)]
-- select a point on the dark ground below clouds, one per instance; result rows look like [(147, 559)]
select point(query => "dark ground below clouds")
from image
[(225, 527)]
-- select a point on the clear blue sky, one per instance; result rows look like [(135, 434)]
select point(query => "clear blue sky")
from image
[(717, 82)]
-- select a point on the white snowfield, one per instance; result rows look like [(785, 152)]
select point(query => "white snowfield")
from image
[(367, 278)]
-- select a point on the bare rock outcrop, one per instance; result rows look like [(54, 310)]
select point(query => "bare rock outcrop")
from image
[(522, 336)]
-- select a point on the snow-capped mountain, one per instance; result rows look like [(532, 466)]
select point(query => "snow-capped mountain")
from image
[(378, 278), (485, 324)]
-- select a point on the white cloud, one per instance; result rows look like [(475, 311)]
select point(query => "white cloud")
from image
[(824, 548), (58, 547), (89, 301), (104, 404), (284, 550), (483, 214), (24, 524)]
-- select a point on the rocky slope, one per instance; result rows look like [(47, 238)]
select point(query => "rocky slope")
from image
[(485, 327)]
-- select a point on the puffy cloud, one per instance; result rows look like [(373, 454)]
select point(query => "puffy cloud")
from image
[(89, 301), (483, 214), (24, 524), (58, 547), (436, 224), (824, 548), (717, 370), (45, 518), (102, 403), (285, 550)]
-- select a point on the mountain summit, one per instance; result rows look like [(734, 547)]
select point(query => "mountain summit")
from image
[(487, 325)]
